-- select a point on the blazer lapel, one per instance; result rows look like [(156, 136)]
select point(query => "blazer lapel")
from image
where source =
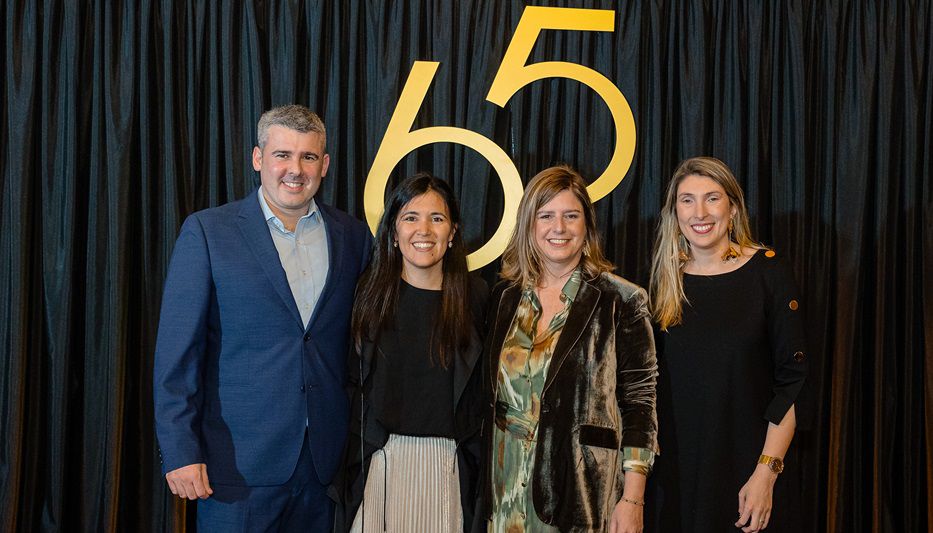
[(580, 313), (256, 232), (367, 352), (335, 246), (505, 312), (464, 364)]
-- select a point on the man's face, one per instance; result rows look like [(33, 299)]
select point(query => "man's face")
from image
[(290, 167)]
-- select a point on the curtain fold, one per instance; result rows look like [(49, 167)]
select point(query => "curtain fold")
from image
[(118, 119)]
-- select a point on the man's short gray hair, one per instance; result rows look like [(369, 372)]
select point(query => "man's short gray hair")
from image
[(294, 117)]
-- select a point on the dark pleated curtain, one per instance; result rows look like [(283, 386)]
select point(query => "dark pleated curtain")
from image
[(121, 118)]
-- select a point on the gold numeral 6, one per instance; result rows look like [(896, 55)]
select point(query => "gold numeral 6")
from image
[(512, 76)]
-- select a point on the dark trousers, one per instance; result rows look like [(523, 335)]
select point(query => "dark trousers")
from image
[(300, 504)]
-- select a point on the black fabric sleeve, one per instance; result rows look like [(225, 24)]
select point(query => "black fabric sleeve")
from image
[(786, 335), (479, 300)]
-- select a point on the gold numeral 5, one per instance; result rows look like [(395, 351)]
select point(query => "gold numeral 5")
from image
[(512, 76)]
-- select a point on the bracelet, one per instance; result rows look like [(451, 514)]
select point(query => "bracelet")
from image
[(633, 502)]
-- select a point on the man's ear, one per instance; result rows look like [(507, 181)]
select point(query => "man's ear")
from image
[(257, 158), (325, 162)]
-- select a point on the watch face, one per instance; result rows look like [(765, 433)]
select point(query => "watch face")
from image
[(776, 465)]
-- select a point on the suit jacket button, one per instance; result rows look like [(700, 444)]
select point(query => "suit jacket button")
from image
[(798, 356), (307, 337), (302, 388)]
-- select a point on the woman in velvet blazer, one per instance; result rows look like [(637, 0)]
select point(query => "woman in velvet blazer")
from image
[(571, 374)]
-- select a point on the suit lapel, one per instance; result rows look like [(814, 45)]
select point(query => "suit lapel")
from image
[(580, 313), (335, 256), (256, 232)]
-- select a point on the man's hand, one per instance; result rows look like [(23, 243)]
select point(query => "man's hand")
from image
[(190, 482)]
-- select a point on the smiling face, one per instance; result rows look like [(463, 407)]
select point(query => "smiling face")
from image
[(703, 213), (291, 166), (560, 230), (423, 232)]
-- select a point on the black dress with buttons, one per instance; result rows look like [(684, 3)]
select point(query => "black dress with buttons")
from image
[(736, 363)]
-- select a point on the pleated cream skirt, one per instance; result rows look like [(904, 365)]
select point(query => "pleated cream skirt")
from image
[(413, 486)]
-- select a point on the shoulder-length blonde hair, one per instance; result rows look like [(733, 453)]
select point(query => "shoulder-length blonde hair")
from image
[(672, 250), (521, 260)]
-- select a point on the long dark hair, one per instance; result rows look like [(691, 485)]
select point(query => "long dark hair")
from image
[(377, 291)]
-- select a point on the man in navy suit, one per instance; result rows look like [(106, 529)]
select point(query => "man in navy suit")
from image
[(250, 363)]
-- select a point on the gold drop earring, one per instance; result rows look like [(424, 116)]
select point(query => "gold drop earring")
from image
[(731, 254), (684, 247)]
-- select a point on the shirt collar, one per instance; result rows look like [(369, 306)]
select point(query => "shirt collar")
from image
[(269, 216), (572, 287)]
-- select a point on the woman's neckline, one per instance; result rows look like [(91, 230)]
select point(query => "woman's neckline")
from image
[(754, 257), (409, 285)]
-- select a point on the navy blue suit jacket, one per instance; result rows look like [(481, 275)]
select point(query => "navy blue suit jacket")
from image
[(237, 376)]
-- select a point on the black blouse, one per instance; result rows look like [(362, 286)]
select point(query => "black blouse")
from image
[(412, 393)]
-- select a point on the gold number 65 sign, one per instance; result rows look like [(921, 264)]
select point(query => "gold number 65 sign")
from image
[(513, 74)]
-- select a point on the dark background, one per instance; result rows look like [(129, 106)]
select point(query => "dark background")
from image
[(121, 118)]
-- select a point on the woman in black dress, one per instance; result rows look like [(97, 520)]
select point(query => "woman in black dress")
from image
[(412, 453), (731, 361)]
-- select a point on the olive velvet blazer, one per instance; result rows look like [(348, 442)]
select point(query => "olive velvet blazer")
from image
[(599, 396)]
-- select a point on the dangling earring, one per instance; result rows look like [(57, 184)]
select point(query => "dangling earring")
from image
[(395, 244), (731, 254), (450, 244), (684, 247)]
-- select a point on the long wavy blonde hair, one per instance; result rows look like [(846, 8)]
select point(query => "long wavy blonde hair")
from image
[(671, 247), (521, 260)]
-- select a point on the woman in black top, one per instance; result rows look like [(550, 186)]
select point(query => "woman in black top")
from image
[(411, 456), (731, 361)]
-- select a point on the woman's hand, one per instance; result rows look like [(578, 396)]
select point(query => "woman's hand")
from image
[(627, 518), (755, 500)]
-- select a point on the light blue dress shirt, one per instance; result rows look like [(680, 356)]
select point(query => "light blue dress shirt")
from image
[(303, 254)]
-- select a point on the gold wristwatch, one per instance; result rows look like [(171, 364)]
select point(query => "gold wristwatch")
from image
[(776, 464)]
